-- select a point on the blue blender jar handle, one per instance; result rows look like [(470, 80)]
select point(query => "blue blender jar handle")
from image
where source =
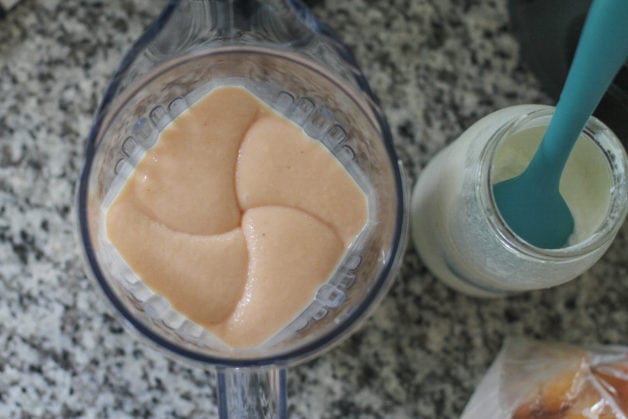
[(249, 393)]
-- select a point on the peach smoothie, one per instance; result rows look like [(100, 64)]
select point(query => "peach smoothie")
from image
[(236, 217)]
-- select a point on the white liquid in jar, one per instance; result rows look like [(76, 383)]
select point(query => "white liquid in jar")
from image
[(585, 183)]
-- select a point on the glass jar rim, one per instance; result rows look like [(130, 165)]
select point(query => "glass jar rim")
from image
[(615, 156)]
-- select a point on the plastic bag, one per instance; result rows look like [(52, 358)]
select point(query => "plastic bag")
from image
[(531, 379)]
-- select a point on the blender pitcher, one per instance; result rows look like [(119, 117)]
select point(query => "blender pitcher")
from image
[(278, 51)]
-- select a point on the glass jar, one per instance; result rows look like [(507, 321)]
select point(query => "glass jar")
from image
[(459, 233)]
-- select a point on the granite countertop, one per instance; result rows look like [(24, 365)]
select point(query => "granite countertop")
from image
[(436, 65)]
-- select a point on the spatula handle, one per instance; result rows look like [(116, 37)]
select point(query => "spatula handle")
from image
[(602, 50)]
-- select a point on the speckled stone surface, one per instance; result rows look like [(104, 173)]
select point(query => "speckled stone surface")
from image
[(437, 65)]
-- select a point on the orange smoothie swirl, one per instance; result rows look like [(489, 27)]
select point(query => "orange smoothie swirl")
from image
[(236, 217)]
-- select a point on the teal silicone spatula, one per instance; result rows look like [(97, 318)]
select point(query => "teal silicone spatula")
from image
[(531, 203)]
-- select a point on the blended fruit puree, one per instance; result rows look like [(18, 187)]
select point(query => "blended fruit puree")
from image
[(236, 216)]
